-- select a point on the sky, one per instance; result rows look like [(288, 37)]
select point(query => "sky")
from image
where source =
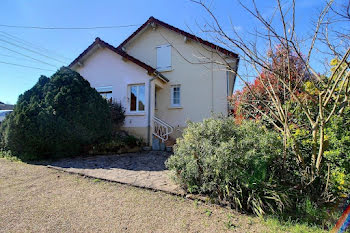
[(47, 50)]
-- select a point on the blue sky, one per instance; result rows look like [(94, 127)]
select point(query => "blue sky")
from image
[(60, 47)]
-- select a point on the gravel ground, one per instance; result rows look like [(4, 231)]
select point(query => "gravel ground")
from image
[(142, 169), (34, 198)]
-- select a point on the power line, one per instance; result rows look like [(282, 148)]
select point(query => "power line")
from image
[(28, 56), (19, 58), (31, 67), (69, 28), (6, 55), (31, 50), (24, 42), (16, 57)]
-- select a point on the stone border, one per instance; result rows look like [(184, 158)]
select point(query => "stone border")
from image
[(114, 181)]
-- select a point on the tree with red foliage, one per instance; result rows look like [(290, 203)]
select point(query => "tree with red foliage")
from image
[(267, 93)]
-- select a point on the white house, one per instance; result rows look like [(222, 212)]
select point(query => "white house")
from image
[(163, 76)]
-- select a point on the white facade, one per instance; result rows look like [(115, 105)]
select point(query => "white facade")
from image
[(105, 68), (189, 84), (204, 85)]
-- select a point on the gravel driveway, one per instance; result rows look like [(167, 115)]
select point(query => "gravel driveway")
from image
[(143, 169)]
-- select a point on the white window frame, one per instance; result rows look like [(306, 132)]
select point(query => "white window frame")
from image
[(167, 56), (137, 101), (172, 104)]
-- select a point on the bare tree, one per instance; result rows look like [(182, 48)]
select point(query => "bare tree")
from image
[(339, 14), (332, 93)]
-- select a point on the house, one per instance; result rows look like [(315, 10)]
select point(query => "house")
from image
[(163, 76), (4, 106)]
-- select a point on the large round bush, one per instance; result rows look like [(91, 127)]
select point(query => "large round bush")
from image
[(58, 117), (239, 164)]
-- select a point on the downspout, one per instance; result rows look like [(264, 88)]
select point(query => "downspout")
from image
[(149, 110), (212, 83), (235, 75), (233, 83), (228, 91)]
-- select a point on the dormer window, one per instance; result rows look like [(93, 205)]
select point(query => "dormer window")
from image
[(164, 57)]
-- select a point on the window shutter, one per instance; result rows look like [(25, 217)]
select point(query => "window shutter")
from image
[(164, 57)]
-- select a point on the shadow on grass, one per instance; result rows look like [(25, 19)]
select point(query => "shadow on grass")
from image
[(141, 161)]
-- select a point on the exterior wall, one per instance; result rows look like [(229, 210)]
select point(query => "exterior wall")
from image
[(140, 132), (230, 83), (203, 86), (106, 68)]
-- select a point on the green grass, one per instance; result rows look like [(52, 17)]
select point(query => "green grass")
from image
[(208, 212), (229, 223), (7, 155), (196, 203), (275, 225)]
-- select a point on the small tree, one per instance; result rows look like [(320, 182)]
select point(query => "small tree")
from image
[(59, 116), (254, 100), (331, 94)]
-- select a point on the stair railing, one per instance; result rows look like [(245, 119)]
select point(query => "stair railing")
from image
[(161, 129)]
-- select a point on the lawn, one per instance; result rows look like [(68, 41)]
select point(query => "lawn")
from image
[(34, 198)]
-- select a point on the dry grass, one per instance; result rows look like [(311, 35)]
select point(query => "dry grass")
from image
[(37, 199), (34, 198)]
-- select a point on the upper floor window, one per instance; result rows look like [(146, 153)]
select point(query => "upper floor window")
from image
[(175, 96), (105, 92), (164, 57), (137, 98)]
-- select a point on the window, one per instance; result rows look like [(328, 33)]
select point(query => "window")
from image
[(105, 92), (137, 98), (155, 98), (164, 57), (175, 95)]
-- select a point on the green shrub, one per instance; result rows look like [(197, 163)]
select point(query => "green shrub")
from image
[(117, 115), (120, 143), (58, 117), (239, 164), (333, 180), (337, 153), (244, 166)]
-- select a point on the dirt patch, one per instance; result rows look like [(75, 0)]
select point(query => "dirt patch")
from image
[(34, 198)]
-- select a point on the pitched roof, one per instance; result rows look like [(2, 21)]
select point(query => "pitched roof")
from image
[(175, 29), (104, 44), (6, 106)]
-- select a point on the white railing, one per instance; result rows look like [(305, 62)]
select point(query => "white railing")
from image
[(161, 129)]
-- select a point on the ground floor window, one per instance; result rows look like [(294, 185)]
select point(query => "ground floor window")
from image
[(137, 98), (175, 95), (105, 92)]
